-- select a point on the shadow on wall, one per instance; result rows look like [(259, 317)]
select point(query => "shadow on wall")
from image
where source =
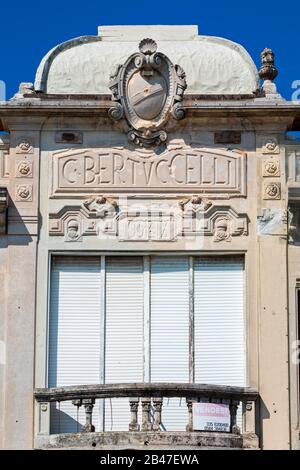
[(62, 422), (264, 414), (20, 227)]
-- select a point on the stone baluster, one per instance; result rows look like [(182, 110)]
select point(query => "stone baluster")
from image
[(134, 406), (189, 426), (233, 411), (88, 405), (78, 404), (157, 403), (146, 421)]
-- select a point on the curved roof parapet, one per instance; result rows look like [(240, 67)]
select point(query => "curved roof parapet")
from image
[(213, 66)]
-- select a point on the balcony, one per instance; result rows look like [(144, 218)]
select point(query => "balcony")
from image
[(146, 404)]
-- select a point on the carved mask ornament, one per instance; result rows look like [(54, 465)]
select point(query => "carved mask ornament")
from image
[(146, 91)]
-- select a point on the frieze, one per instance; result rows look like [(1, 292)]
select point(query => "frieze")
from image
[(191, 170), (148, 224)]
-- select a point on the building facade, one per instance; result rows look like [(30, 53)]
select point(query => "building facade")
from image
[(149, 241)]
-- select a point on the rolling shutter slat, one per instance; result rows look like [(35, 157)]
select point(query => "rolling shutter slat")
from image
[(219, 322), (169, 293), (74, 334), (124, 333)]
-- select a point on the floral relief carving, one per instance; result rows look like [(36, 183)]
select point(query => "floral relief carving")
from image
[(270, 145), (271, 167), (272, 191), (24, 192), (24, 169), (24, 146)]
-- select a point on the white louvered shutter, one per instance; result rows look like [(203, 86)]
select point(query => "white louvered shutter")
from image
[(74, 335), (219, 322), (169, 294), (124, 333)]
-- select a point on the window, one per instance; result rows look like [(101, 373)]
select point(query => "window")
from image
[(139, 319)]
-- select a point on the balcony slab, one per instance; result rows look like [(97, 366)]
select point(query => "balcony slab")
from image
[(147, 440)]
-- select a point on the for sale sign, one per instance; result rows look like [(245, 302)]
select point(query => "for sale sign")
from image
[(211, 417)]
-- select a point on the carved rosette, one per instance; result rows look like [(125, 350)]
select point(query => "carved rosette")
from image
[(271, 167), (24, 146), (24, 169), (24, 192), (272, 191), (147, 90), (270, 145)]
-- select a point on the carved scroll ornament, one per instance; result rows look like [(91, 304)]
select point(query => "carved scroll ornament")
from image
[(146, 91)]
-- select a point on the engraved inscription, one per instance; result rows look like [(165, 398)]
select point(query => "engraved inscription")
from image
[(188, 170), (144, 228)]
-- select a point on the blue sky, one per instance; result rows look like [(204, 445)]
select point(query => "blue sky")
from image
[(29, 29)]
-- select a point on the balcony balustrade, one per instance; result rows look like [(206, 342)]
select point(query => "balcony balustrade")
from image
[(149, 398)]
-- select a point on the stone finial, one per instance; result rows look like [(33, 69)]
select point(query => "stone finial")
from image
[(267, 71)]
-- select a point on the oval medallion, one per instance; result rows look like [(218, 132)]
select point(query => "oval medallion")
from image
[(147, 94)]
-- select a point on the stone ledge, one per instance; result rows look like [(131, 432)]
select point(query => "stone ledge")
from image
[(146, 440)]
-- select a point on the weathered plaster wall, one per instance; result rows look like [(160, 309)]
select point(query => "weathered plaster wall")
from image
[(3, 281), (213, 65), (20, 284), (264, 246), (262, 253)]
